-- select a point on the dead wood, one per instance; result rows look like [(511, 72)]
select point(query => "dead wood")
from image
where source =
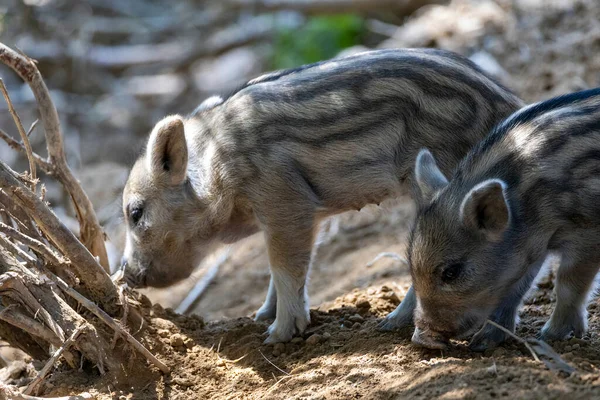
[(93, 278), (91, 233)]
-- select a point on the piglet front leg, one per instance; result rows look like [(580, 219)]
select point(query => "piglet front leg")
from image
[(402, 316), (290, 252)]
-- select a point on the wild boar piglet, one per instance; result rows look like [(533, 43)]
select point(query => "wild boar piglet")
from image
[(291, 148), (529, 189)]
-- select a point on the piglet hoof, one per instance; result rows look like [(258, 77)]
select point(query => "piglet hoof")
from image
[(265, 313), (487, 338), (284, 329), (552, 330), (394, 323), (429, 340)]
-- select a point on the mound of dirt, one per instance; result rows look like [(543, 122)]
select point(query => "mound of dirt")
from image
[(340, 356)]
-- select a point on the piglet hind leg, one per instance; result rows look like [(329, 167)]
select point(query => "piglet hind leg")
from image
[(290, 256), (505, 314), (402, 316), (269, 308), (574, 280)]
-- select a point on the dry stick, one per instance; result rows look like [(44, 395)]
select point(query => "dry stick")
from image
[(19, 215), (110, 322), (32, 127), (13, 248), (125, 305), (42, 374), (269, 361), (94, 278), (23, 134), (40, 161), (34, 244), (199, 288), (29, 325), (91, 232), (509, 333), (11, 282)]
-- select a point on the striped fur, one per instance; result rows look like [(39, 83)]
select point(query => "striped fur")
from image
[(531, 188), (293, 147)]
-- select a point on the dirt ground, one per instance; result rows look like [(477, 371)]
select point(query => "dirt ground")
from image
[(538, 48)]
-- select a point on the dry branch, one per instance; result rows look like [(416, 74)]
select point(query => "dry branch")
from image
[(29, 325), (91, 233), (35, 245), (39, 160), (24, 135), (42, 374), (111, 323), (95, 280)]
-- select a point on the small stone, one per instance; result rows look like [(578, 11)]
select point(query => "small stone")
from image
[(391, 296), (279, 347), (313, 340), (49, 385), (357, 318), (568, 348), (385, 288), (371, 291), (297, 340), (164, 333), (576, 346), (276, 353), (177, 340), (326, 335), (356, 325), (189, 343), (363, 303)]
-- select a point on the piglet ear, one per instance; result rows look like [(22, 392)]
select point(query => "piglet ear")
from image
[(428, 176), (485, 209), (167, 150)]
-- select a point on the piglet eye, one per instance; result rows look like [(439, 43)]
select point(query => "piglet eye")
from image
[(136, 215), (451, 272)]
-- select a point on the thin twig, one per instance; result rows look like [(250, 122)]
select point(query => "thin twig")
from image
[(200, 287), (34, 244), (32, 127), (125, 304), (269, 361), (24, 136), (520, 339), (110, 322), (42, 374), (13, 248), (31, 326), (40, 161)]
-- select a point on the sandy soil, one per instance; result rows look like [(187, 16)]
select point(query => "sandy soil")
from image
[(543, 51)]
